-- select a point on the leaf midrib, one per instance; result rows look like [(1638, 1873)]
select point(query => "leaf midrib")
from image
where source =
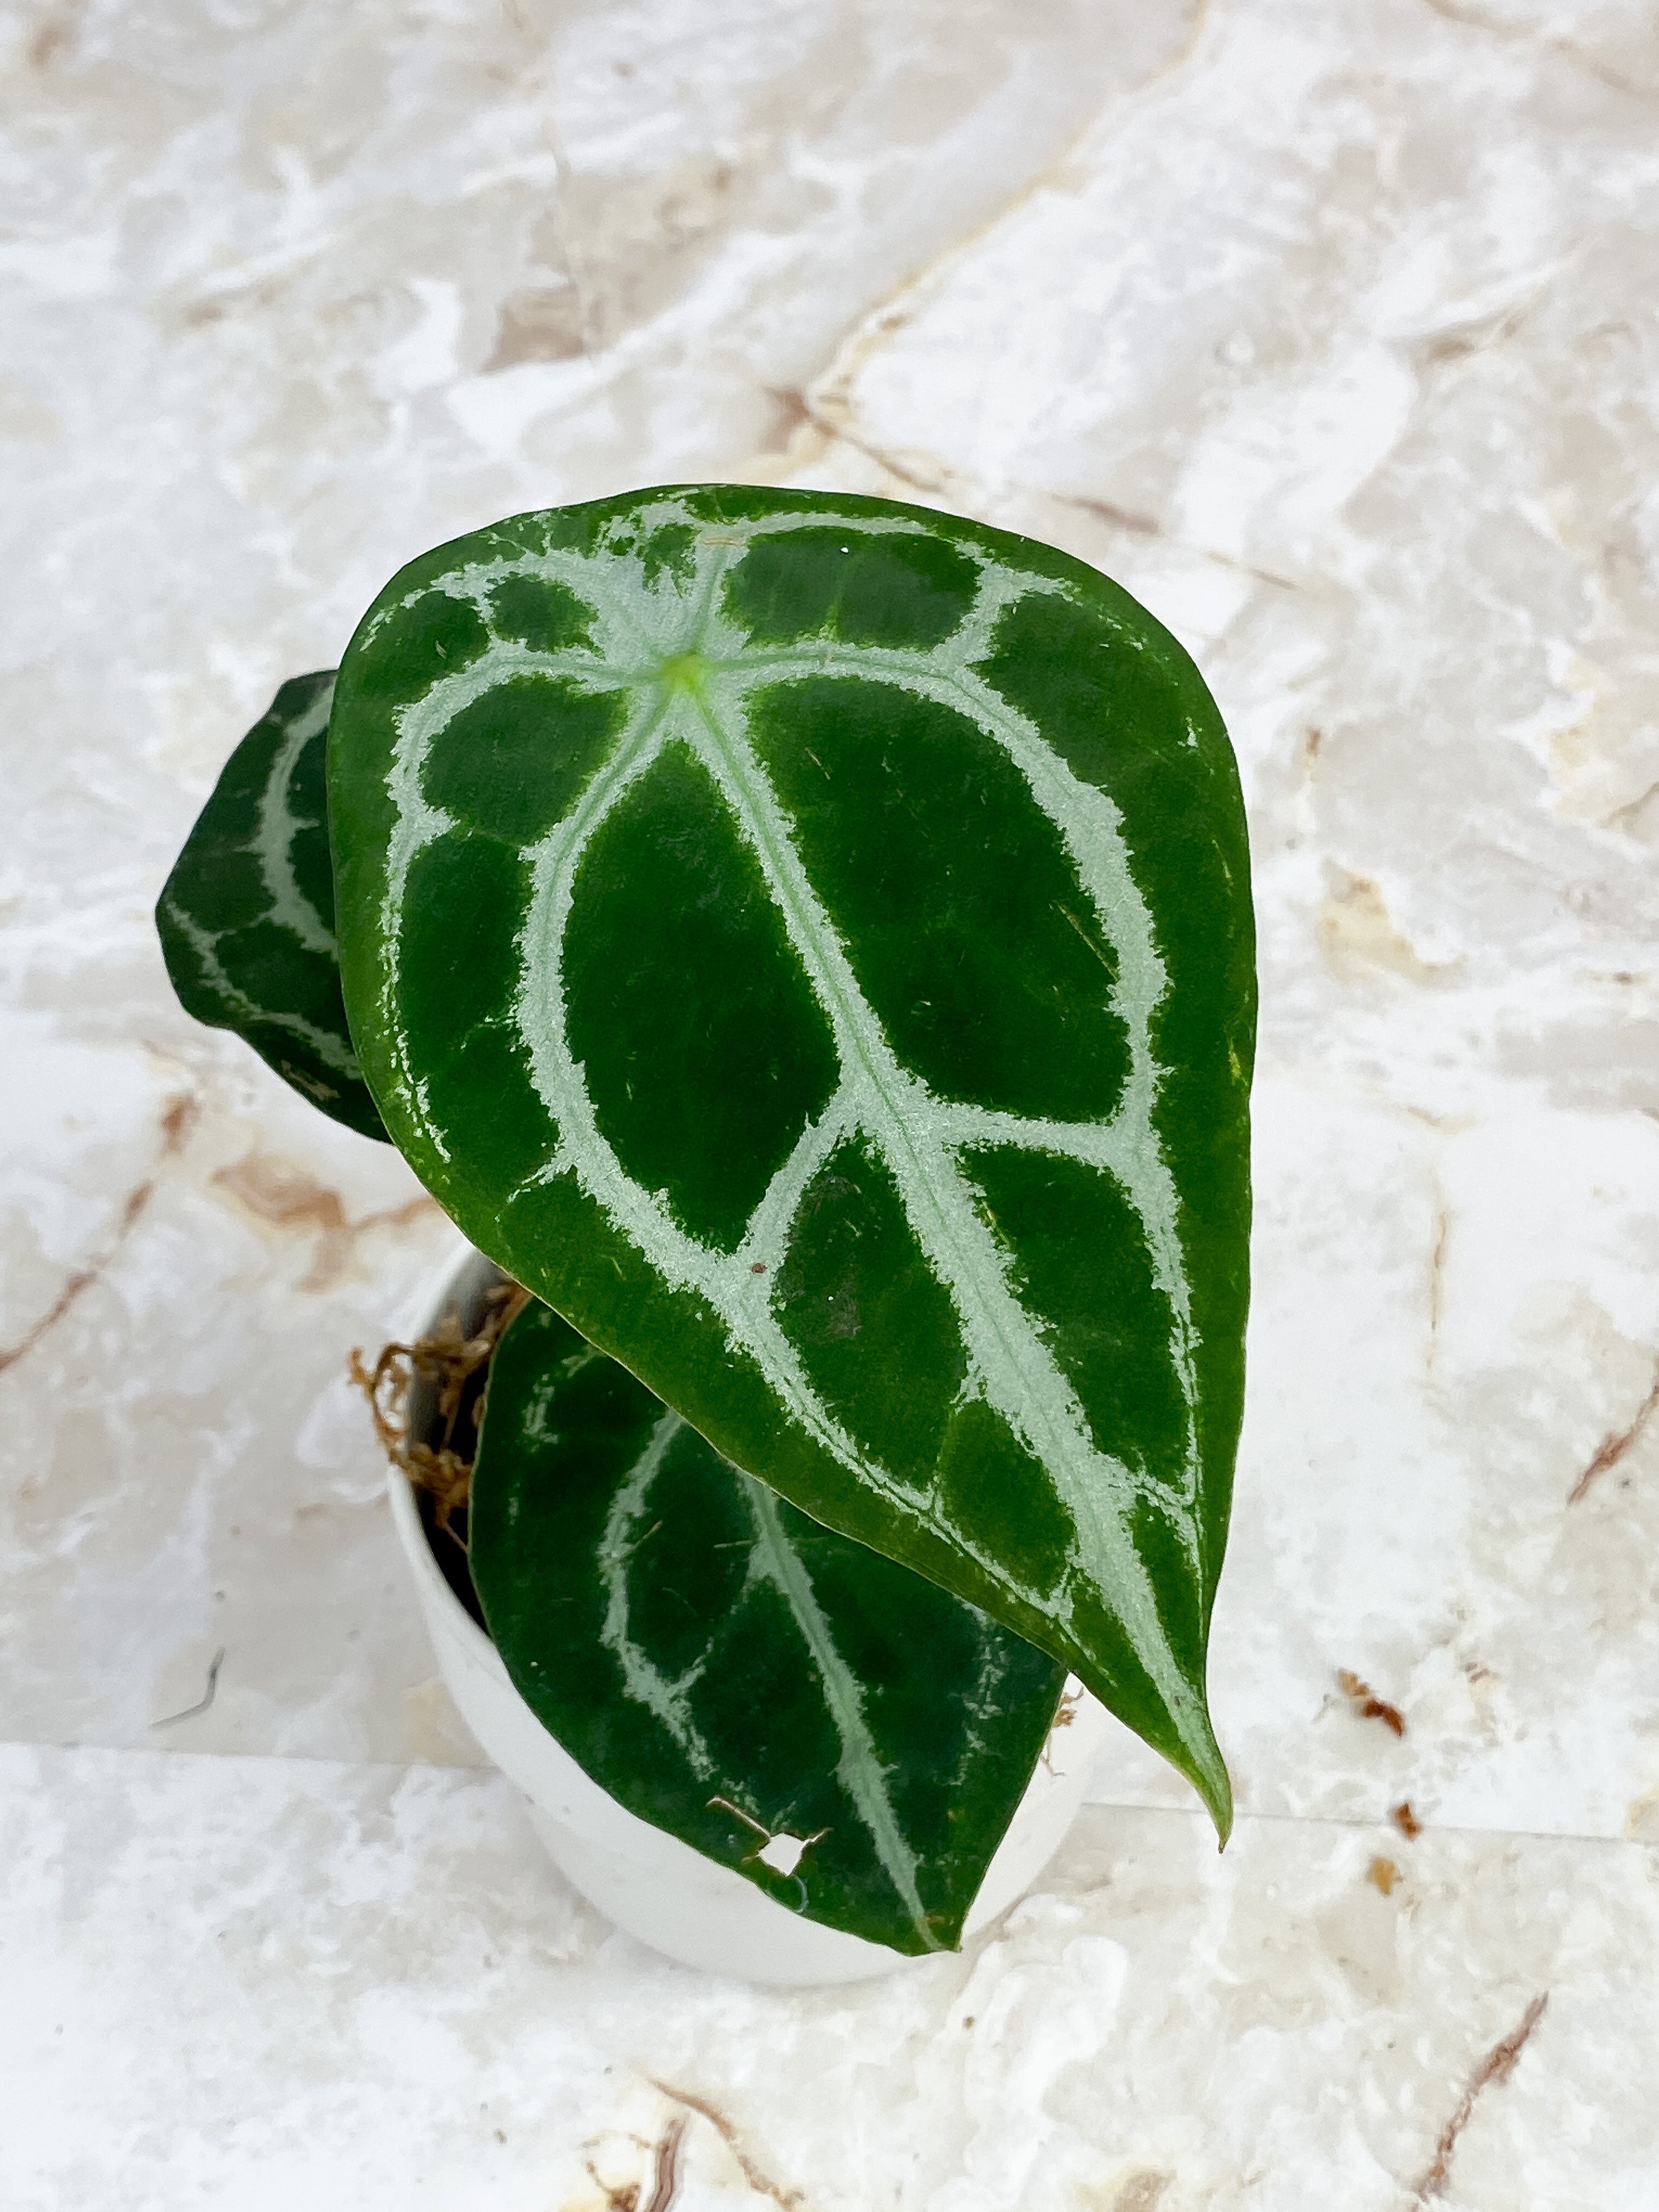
[(873, 1085), (859, 1037)]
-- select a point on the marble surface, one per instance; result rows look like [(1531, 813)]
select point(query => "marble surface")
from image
[(1328, 333), (358, 1987)]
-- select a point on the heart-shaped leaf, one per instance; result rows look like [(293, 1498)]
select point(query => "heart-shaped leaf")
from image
[(807, 940), (731, 1671), (246, 918)]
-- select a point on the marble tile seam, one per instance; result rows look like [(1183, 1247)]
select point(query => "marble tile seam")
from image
[(17, 1753), (1385, 1822)]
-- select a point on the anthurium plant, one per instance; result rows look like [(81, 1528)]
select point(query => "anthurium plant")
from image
[(806, 941)]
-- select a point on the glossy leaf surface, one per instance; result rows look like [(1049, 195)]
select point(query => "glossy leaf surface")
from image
[(731, 1671), (246, 918), (808, 941)]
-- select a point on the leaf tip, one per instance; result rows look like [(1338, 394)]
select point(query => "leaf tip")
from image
[(1206, 1770)]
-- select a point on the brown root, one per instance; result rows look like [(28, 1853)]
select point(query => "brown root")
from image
[(451, 1361)]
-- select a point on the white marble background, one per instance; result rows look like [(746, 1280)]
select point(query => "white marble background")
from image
[(1331, 333)]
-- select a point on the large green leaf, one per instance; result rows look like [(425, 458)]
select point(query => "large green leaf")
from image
[(246, 918), (731, 1671), (808, 941)]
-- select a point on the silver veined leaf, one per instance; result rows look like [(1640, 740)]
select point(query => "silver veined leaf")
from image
[(246, 918), (841, 1732), (808, 940)]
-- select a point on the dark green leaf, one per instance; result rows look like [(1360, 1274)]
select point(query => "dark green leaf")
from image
[(246, 918), (808, 941), (733, 1673)]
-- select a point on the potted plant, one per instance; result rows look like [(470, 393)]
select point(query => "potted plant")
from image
[(805, 941)]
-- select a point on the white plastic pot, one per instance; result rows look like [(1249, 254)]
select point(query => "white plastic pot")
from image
[(650, 1883)]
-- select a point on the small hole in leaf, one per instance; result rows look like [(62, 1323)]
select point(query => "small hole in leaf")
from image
[(781, 1853)]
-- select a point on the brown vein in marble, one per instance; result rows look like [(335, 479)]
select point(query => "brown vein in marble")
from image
[(178, 1120), (788, 2200), (1437, 1274), (1141, 2192), (1613, 1447), (1624, 817), (1496, 2066), (665, 2176), (832, 414), (57, 35), (666, 2171), (919, 472), (1358, 932), (1475, 18), (1144, 526), (82, 1279), (1480, 335), (575, 260), (827, 403), (178, 1117), (288, 1197), (1451, 1125)]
